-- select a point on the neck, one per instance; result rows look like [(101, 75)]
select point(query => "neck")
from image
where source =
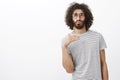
[(79, 31)]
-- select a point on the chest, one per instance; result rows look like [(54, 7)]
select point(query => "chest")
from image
[(85, 44)]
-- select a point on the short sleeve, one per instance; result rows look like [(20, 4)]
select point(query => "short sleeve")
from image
[(102, 43)]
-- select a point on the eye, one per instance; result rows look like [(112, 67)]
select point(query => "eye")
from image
[(82, 14), (75, 14)]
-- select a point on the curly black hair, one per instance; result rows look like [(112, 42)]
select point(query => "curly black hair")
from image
[(85, 9)]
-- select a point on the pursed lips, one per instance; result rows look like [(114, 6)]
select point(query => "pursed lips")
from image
[(78, 22)]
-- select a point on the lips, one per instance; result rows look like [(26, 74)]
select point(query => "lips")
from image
[(78, 22)]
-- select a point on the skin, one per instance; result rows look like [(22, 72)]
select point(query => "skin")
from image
[(78, 19), (67, 60), (104, 69)]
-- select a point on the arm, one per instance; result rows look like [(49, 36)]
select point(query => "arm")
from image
[(104, 68), (67, 60), (66, 57)]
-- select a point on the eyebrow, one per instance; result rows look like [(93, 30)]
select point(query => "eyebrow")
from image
[(77, 13)]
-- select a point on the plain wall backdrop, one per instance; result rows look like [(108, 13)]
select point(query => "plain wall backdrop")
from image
[(31, 32)]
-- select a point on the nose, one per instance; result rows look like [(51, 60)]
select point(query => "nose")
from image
[(78, 18)]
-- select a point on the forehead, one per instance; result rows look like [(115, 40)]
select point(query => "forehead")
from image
[(78, 11)]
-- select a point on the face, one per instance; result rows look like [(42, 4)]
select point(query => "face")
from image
[(78, 18)]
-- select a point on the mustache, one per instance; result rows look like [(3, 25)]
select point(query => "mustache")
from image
[(79, 21)]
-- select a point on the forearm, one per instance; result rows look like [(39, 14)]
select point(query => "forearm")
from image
[(104, 71), (67, 60)]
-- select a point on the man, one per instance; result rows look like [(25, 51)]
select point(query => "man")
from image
[(83, 50)]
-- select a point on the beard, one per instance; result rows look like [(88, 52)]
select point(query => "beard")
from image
[(79, 24)]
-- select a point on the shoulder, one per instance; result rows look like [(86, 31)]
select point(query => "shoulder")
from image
[(65, 37), (93, 32)]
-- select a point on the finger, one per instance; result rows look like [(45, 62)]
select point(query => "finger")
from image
[(74, 38)]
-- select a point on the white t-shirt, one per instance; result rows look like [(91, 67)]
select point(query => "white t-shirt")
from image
[(86, 55)]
